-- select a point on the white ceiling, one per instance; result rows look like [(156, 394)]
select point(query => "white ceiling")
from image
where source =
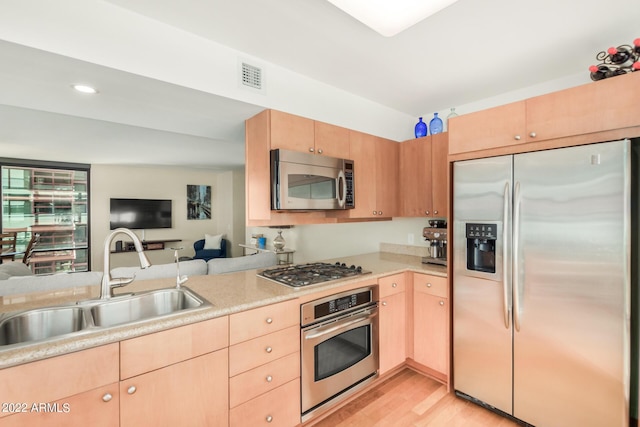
[(470, 51)]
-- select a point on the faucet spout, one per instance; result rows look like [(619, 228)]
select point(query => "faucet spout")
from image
[(108, 283)]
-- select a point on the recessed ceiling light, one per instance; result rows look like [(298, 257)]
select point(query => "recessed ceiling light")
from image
[(85, 89), (389, 17)]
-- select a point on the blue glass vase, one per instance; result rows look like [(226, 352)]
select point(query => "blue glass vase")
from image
[(421, 128), (435, 124)]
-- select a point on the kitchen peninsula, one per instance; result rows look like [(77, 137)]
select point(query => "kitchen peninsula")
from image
[(216, 337)]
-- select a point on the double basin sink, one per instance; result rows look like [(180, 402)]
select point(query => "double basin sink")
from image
[(50, 323)]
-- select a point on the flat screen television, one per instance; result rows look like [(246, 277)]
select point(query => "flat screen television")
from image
[(140, 213)]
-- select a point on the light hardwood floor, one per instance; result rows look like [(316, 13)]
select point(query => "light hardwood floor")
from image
[(410, 399)]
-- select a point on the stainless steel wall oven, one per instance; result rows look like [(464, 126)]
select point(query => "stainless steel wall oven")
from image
[(339, 347)]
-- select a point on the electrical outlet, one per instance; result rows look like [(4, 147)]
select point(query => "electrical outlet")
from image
[(411, 238)]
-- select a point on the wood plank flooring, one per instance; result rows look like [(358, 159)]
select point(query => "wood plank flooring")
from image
[(410, 399)]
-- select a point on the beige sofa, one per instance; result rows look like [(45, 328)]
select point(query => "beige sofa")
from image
[(16, 278)]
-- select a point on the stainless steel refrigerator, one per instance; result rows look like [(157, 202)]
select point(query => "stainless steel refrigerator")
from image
[(541, 284)]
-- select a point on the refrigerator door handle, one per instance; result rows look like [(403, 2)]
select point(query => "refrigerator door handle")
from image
[(516, 274), (505, 265)]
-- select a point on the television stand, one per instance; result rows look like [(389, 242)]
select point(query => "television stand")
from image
[(147, 245)]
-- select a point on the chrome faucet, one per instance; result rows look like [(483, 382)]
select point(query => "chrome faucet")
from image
[(179, 279), (108, 283)]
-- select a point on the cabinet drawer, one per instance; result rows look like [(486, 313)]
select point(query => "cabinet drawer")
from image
[(433, 285), (258, 351), (264, 320), (250, 384), (390, 285), (280, 407), (154, 351), (59, 377)]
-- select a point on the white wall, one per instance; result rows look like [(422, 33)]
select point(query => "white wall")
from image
[(109, 181)]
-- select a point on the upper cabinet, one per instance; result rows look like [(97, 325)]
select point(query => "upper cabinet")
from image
[(376, 168), (291, 132), (423, 176), (596, 107), (376, 177), (331, 140)]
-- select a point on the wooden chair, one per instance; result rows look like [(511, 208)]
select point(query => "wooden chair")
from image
[(8, 246), (35, 238)]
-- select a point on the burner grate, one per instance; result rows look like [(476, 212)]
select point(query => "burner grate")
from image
[(311, 274)]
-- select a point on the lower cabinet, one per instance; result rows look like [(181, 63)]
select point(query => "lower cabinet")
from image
[(176, 377), (392, 322), (264, 366), (431, 324), (189, 393), (76, 389)]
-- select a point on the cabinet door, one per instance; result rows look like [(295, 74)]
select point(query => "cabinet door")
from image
[(363, 154), (415, 177), (331, 140), (492, 128), (387, 162), (430, 329), (59, 377), (190, 393), (593, 107), (98, 407), (291, 132), (439, 175), (392, 324)]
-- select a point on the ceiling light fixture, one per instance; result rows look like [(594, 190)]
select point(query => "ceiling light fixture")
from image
[(390, 17), (85, 89)]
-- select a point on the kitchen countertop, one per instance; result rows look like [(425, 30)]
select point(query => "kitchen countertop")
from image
[(229, 293)]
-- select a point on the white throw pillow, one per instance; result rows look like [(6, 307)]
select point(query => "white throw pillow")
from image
[(212, 241)]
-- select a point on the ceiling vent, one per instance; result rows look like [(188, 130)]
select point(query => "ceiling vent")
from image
[(251, 76)]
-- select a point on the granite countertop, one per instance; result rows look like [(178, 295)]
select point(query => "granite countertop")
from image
[(228, 293)]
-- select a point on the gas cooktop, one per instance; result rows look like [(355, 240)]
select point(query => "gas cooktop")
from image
[(310, 274)]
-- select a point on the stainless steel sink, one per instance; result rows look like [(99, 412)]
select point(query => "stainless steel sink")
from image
[(144, 306), (37, 325), (42, 324)]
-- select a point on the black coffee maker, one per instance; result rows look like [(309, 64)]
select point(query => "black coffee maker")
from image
[(436, 235)]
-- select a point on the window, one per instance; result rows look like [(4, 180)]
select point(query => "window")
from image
[(52, 201)]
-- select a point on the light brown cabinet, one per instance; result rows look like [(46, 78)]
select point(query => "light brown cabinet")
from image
[(272, 129), (75, 389), (291, 132), (431, 324), (193, 392), (264, 366), (376, 177), (595, 107), (423, 176), (176, 377), (392, 322)]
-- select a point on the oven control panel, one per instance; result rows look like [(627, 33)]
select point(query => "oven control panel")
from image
[(326, 307)]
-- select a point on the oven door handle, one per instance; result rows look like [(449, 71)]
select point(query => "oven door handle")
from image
[(327, 331)]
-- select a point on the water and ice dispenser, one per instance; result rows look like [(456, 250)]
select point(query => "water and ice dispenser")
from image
[(481, 246)]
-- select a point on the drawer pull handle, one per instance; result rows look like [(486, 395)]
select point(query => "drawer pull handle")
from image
[(394, 285), (107, 397), (428, 285), (269, 320), (517, 137), (441, 302), (132, 389), (532, 134), (384, 303), (268, 349), (269, 378), (269, 418)]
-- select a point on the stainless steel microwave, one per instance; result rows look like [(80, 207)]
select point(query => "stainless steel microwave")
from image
[(303, 181)]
